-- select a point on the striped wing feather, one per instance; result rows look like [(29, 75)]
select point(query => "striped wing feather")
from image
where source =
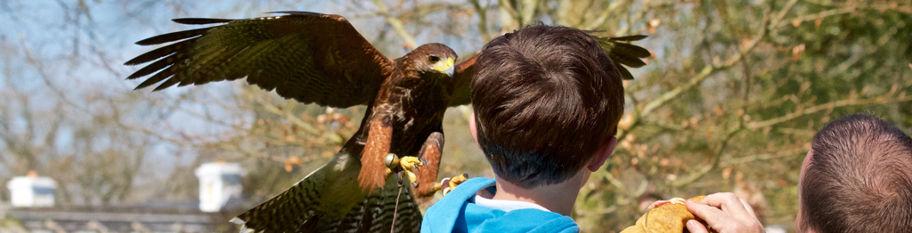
[(311, 57)]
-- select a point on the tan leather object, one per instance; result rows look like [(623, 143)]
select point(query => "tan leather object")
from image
[(665, 218)]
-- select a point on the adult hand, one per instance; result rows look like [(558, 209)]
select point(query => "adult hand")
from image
[(723, 213)]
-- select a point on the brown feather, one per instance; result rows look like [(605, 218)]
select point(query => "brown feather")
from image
[(194, 21), (166, 84), (161, 75), (155, 54), (373, 172), (629, 38), (462, 81), (427, 174), (151, 68), (174, 36)]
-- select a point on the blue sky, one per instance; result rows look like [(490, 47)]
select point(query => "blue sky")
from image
[(51, 33), (81, 55)]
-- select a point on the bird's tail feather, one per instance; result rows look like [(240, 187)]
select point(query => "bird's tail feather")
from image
[(389, 209), (329, 200), (289, 211)]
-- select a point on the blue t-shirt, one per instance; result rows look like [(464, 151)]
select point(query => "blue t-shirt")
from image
[(457, 212)]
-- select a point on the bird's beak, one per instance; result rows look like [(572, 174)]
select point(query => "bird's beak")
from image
[(446, 66)]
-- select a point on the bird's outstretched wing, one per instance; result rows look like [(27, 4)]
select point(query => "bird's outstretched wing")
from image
[(462, 80), (619, 49), (311, 57)]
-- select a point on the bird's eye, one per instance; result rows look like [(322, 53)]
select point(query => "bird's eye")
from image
[(433, 59)]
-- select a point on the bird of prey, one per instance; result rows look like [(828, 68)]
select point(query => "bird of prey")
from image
[(322, 59)]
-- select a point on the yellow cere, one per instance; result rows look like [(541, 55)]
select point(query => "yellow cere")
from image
[(445, 66)]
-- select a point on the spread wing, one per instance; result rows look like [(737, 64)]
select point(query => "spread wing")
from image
[(619, 49), (462, 81), (311, 57)]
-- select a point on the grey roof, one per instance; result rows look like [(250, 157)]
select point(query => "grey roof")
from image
[(111, 220)]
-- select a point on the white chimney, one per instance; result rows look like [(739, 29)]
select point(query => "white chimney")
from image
[(219, 182), (31, 191)]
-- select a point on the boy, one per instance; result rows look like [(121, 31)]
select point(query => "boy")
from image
[(547, 103)]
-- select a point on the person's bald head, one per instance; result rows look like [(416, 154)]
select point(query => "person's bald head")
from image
[(857, 178)]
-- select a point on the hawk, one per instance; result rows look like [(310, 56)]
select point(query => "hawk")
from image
[(322, 59)]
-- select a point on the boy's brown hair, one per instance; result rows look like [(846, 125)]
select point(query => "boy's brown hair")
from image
[(858, 178), (545, 99)]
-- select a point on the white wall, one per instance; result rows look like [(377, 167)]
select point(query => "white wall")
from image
[(31, 191), (219, 183)]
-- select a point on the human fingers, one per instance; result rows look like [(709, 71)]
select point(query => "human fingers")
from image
[(722, 221), (728, 202), (713, 216), (748, 207), (694, 226)]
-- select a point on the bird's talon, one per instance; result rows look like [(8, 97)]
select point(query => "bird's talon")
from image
[(409, 163), (450, 183), (413, 179)]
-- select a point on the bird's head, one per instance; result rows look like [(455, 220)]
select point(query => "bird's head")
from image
[(434, 60)]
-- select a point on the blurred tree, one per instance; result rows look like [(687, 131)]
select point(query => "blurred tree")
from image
[(83, 147)]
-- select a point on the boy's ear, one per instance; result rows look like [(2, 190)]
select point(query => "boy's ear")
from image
[(602, 154)]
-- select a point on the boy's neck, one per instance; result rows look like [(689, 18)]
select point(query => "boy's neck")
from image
[(558, 198)]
